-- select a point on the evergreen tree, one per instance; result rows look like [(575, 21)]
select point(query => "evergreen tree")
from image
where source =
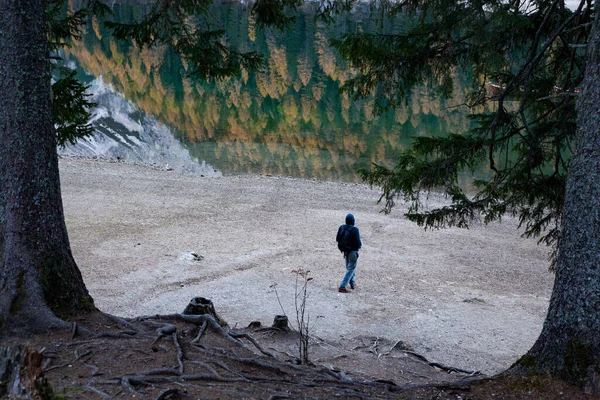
[(569, 345), (70, 104), (527, 61), (531, 52), (39, 280), (530, 64)]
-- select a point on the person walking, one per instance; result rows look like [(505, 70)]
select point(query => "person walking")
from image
[(348, 238)]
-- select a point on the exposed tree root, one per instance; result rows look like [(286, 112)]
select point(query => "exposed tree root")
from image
[(286, 373), (441, 366), (179, 352), (95, 369), (220, 368), (279, 397), (251, 339), (200, 333), (54, 367), (158, 371), (197, 320), (127, 384), (80, 356), (203, 321), (98, 392), (276, 366), (123, 323), (169, 394), (462, 384), (120, 335), (206, 366)]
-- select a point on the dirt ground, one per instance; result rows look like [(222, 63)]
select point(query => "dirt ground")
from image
[(149, 240), (175, 357)]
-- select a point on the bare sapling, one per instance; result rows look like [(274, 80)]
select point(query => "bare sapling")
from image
[(302, 317), (301, 295)]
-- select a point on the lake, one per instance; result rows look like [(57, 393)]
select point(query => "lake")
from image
[(288, 119)]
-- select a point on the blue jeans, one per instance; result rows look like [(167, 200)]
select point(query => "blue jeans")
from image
[(351, 261)]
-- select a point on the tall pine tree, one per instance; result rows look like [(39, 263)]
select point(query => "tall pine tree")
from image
[(526, 60), (530, 65), (40, 282)]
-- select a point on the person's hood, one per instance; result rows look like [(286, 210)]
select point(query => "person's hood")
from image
[(349, 219)]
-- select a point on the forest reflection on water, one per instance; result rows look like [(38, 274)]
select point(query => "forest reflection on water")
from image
[(288, 119)]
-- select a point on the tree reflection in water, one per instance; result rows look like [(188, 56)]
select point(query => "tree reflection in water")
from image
[(288, 119)]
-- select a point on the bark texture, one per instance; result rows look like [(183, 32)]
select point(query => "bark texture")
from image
[(39, 279), (569, 345), (21, 373)]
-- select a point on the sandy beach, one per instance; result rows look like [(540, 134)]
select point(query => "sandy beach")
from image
[(474, 299)]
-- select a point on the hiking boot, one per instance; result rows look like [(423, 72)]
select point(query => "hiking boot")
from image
[(343, 290), (353, 286)]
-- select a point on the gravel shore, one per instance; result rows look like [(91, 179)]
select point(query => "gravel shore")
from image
[(148, 240)]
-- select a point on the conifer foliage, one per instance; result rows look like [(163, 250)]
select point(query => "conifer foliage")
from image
[(530, 61), (70, 103), (184, 24), (526, 60), (40, 281), (187, 26)]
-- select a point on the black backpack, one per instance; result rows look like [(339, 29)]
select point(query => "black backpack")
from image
[(344, 240)]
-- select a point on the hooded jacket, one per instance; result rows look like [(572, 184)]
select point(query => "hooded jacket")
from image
[(354, 235)]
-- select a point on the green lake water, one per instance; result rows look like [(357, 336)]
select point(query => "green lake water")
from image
[(288, 119)]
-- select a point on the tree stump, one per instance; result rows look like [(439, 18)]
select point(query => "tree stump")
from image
[(281, 322), (202, 306), (21, 373)]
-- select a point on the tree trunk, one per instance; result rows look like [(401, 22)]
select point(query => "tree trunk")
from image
[(39, 279), (569, 345)]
